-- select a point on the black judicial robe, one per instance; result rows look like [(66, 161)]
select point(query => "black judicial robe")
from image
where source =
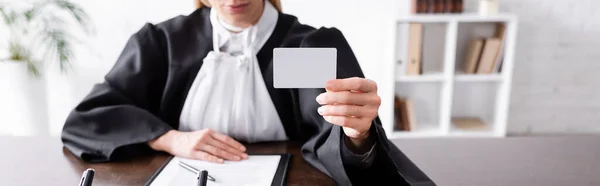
[(143, 95)]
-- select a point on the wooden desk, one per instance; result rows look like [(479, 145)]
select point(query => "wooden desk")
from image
[(526, 161), (43, 161), (515, 161)]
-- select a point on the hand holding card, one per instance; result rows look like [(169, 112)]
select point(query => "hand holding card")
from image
[(352, 103)]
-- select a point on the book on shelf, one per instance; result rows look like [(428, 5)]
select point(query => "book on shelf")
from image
[(469, 124), (399, 119), (439, 6), (404, 114), (421, 6), (458, 6), (473, 55), (485, 55), (414, 6), (501, 34), (436, 6), (450, 6), (430, 4), (489, 52), (415, 45), (410, 114)]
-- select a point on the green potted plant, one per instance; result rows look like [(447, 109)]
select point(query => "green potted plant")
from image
[(39, 32), (33, 34)]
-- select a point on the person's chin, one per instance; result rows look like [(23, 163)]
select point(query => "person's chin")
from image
[(240, 18)]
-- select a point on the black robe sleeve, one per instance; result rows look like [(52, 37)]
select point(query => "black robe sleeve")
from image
[(118, 117), (324, 148)]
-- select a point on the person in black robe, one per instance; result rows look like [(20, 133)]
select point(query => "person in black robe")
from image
[(142, 97)]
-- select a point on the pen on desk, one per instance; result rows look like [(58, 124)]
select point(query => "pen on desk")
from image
[(87, 178), (194, 170), (202, 177)]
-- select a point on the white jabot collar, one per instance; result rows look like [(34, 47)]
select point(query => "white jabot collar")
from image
[(243, 108), (265, 26)]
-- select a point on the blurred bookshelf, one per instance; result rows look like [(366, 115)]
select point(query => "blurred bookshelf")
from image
[(450, 66)]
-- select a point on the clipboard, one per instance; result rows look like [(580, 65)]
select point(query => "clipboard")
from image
[(278, 180)]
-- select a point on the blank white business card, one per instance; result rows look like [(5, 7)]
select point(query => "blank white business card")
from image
[(303, 67)]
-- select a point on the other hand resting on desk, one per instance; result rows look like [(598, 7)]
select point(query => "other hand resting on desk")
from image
[(204, 145)]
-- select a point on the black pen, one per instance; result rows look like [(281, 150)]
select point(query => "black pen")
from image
[(194, 170), (202, 177), (87, 178)]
